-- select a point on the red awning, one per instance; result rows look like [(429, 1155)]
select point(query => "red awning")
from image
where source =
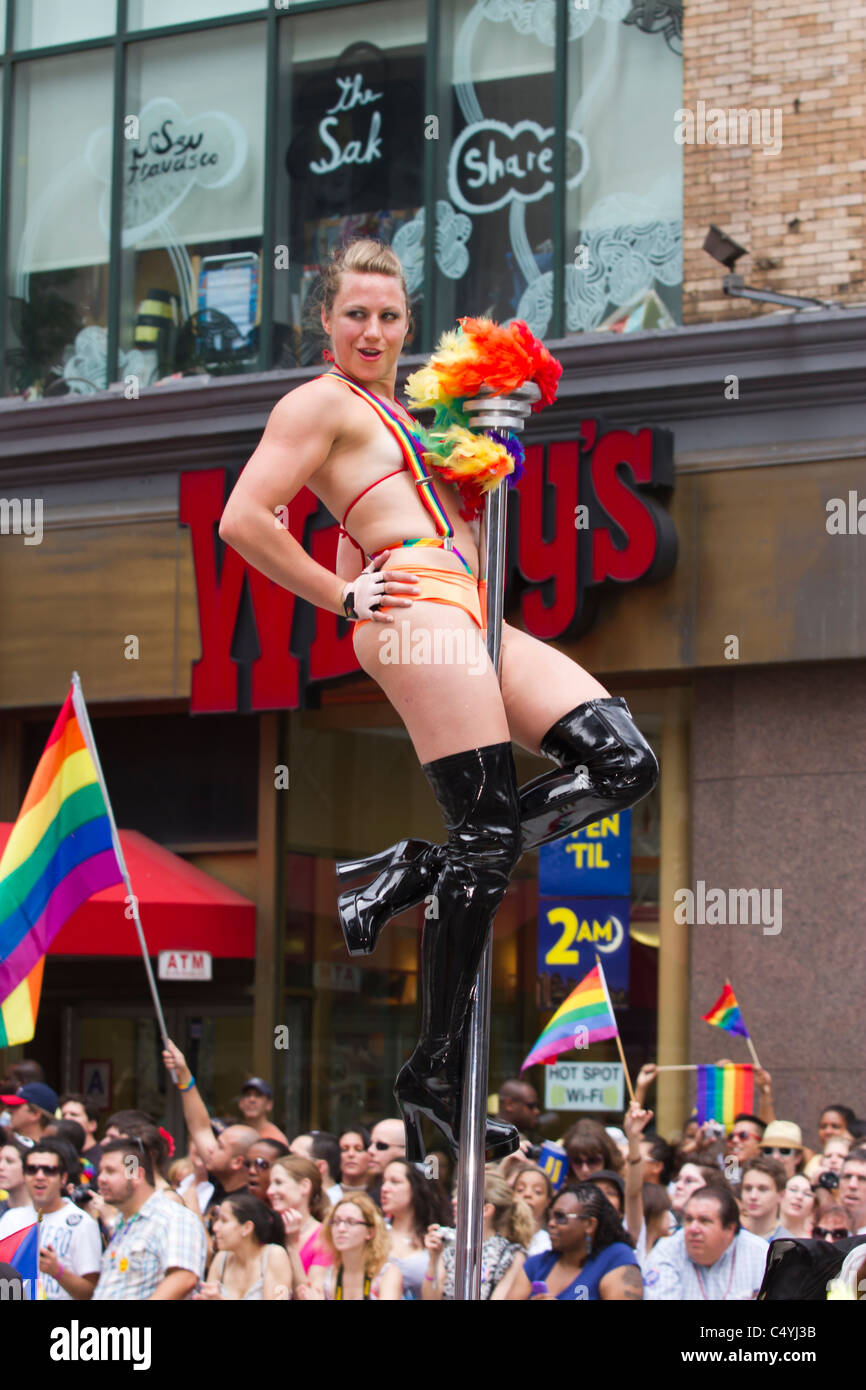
[(180, 907)]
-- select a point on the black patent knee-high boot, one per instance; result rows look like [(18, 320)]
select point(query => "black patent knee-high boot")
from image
[(477, 791), (598, 735), (606, 765)]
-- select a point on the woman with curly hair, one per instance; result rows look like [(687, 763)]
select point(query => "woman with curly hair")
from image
[(411, 1202), (592, 1257), (413, 553), (507, 1232), (355, 1234)]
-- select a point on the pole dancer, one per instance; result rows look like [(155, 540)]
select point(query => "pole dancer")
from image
[(413, 554)]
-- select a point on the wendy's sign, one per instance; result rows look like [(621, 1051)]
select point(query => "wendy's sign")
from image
[(587, 512)]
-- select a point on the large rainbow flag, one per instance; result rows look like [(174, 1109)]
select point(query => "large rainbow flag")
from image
[(586, 1015), (725, 1014), (60, 853), (724, 1092)]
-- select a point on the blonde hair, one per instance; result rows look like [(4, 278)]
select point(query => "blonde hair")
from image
[(179, 1169), (366, 256), (512, 1217), (377, 1248), (299, 1168)]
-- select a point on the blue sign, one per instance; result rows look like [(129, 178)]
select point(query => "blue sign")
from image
[(591, 863), (571, 930)]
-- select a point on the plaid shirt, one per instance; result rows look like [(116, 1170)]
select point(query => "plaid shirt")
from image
[(162, 1235)]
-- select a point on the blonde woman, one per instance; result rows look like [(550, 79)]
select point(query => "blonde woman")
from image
[(508, 1229), (355, 1235)]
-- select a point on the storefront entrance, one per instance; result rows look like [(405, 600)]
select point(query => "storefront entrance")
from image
[(114, 1056)]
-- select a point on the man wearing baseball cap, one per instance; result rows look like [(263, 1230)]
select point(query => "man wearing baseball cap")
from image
[(32, 1108), (255, 1104)]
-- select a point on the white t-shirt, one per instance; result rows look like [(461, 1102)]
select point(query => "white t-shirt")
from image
[(76, 1240)]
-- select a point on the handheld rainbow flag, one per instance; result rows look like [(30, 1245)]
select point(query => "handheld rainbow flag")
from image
[(21, 1251), (586, 1013), (60, 852), (725, 1014), (724, 1092)]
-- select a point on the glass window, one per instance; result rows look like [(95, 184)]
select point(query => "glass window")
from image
[(350, 154), (59, 221), (150, 14), (192, 204), (39, 23), (624, 207), (494, 184), (2, 26)]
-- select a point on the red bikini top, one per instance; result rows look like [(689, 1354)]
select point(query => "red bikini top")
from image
[(343, 531)]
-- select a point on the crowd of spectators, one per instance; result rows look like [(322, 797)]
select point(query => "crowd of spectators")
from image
[(248, 1214)]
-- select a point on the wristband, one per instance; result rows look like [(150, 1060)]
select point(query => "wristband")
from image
[(429, 1278), (348, 600), (189, 1085), (60, 1272)]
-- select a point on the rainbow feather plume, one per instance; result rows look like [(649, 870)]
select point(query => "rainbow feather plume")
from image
[(480, 353)]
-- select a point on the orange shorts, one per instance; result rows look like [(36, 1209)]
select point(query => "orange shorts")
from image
[(455, 587)]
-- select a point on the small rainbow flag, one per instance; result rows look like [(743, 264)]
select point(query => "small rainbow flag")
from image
[(60, 852), (724, 1092), (21, 1251), (585, 1017), (725, 1014)]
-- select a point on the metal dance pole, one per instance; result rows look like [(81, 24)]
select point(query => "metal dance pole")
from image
[(503, 413)]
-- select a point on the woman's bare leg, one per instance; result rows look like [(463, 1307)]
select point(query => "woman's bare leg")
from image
[(447, 705), (539, 686)]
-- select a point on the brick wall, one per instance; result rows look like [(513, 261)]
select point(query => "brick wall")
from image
[(802, 212)]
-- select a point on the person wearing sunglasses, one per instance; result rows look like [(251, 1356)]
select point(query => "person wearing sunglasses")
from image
[(744, 1140), (258, 1161), (783, 1140), (832, 1226), (70, 1248), (591, 1257), (355, 1233)]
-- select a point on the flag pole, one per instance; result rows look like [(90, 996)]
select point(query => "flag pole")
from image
[(749, 1043), (80, 707), (613, 1016), (678, 1066)]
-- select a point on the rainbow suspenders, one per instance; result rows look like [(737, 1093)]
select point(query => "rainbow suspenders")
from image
[(413, 453)]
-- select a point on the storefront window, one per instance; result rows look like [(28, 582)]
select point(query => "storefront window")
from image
[(494, 206), (624, 209), (350, 157), (193, 176), (39, 23), (57, 275), (150, 14)]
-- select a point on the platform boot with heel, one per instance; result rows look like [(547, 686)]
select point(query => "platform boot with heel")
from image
[(477, 792), (605, 765)]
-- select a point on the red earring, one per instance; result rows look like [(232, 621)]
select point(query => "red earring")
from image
[(327, 355)]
